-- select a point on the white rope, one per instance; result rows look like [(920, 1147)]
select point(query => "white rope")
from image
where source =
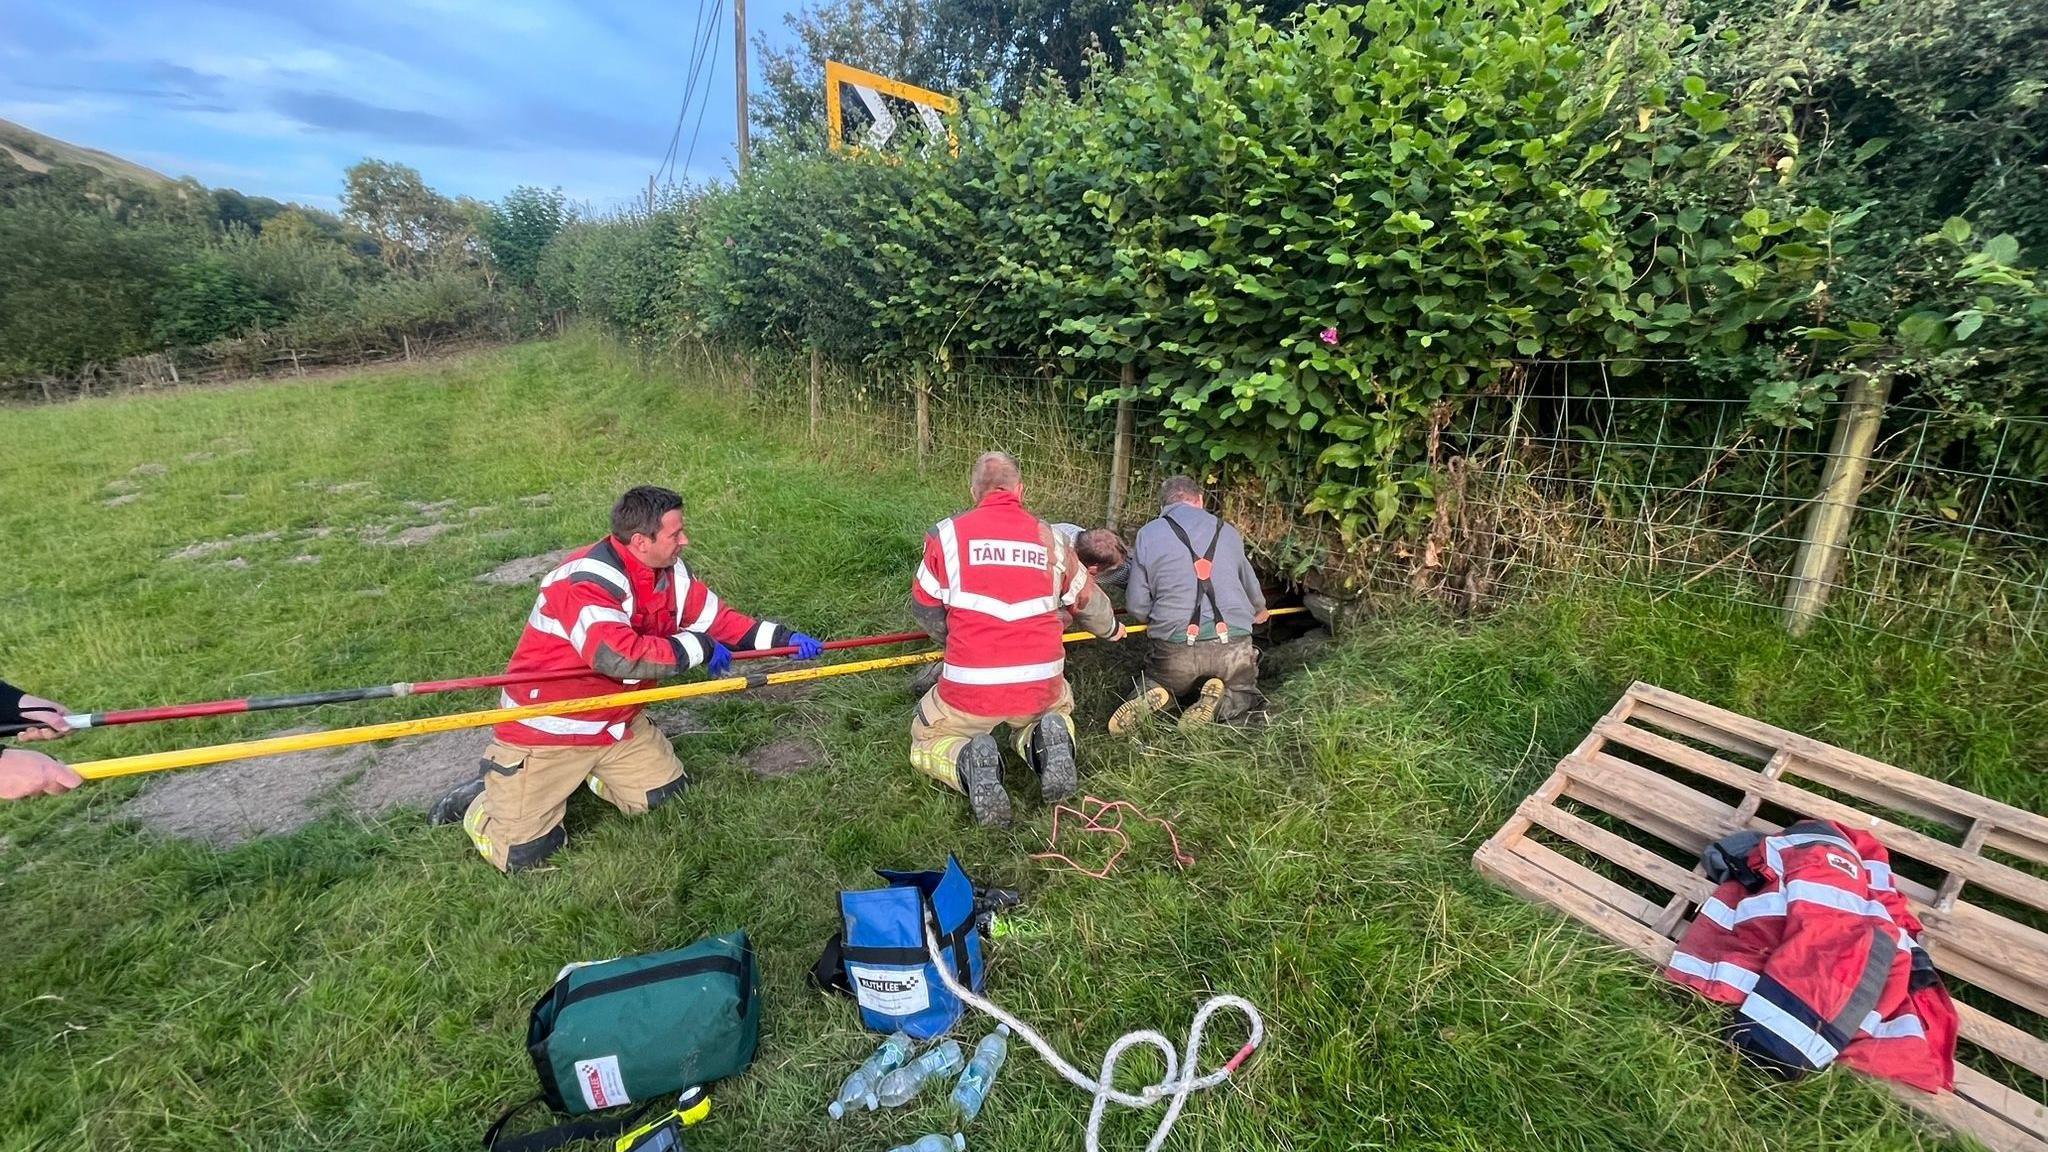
[(1171, 1086)]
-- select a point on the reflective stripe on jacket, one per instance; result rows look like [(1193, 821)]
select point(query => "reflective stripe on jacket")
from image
[(605, 611), (1002, 575)]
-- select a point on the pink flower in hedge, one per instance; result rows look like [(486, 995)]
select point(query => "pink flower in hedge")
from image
[(1329, 336)]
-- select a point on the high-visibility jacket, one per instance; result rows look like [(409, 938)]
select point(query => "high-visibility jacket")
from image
[(605, 611), (1822, 958), (1003, 575)]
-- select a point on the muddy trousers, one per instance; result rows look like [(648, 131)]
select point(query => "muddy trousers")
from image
[(1181, 668), (938, 732), (516, 822)]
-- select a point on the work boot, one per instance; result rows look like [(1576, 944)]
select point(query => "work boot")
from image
[(981, 776), (1052, 755), (449, 808), (1203, 711), (1132, 712)]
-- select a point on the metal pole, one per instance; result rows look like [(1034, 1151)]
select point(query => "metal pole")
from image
[(396, 691), (340, 737)]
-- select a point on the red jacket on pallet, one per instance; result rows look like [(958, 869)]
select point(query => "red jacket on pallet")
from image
[(1003, 575), (604, 610), (1822, 958)]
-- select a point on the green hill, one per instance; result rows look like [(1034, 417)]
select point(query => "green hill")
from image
[(39, 153)]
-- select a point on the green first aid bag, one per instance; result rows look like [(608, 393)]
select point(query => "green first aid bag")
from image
[(629, 1030)]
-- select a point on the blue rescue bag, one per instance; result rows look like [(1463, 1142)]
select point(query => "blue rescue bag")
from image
[(881, 957)]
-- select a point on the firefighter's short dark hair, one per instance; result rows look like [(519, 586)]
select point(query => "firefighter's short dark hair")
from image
[(641, 509)]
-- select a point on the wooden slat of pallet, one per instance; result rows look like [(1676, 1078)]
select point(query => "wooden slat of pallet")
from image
[(1986, 1127), (2018, 1109), (2002, 1039), (1659, 805), (1991, 874), (1973, 969), (1969, 942), (1677, 722), (1952, 886), (1519, 873), (1599, 841), (1585, 879), (2016, 830)]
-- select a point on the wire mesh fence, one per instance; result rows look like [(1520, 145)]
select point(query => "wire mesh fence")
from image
[(1561, 477)]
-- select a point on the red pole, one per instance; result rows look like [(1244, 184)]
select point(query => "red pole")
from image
[(395, 691)]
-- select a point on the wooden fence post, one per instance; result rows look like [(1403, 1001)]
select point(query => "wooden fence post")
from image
[(1120, 454), (1827, 527), (924, 412), (817, 390)]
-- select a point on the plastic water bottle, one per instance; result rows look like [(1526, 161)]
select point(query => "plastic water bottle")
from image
[(860, 1087), (900, 1086), (981, 1073), (935, 1143)]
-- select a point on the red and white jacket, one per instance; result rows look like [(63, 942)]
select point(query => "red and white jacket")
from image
[(1823, 960), (1003, 575), (605, 611)]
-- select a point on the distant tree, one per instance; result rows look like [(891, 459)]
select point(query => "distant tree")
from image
[(233, 210), (411, 222), (516, 229), (208, 298)]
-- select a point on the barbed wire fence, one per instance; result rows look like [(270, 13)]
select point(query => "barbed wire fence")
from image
[(1561, 478)]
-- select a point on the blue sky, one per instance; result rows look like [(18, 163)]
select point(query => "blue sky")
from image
[(275, 99)]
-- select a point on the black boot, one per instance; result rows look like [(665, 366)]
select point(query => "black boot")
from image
[(981, 775), (1052, 756), (449, 808)]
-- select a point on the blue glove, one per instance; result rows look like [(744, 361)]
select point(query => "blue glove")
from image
[(719, 662), (807, 647)]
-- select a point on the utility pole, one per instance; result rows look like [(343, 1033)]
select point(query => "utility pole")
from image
[(739, 72)]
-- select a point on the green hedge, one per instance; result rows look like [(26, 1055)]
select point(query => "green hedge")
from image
[(1310, 236)]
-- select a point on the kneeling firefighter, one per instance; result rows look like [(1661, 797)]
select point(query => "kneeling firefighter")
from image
[(991, 588), (627, 610)]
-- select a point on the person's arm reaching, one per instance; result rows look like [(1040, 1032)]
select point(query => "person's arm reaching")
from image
[(590, 617), (1249, 577), (18, 707), (1138, 589), (703, 611), (25, 773), (929, 591)]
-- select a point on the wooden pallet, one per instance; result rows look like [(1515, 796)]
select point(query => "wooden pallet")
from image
[(1687, 773)]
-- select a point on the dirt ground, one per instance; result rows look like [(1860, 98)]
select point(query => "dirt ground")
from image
[(524, 570), (227, 804), (782, 758)]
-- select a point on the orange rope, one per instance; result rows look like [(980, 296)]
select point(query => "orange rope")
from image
[(1096, 827)]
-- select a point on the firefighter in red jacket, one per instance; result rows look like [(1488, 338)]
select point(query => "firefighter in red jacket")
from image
[(990, 588), (628, 611)]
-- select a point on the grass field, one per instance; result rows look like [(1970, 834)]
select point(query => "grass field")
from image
[(364, 984)]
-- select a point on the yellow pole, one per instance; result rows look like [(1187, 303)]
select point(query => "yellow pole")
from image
[(306, 742)]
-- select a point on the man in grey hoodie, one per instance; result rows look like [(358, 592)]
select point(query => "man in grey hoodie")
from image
[(1191, 582)]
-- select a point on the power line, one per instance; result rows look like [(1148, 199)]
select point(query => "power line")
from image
[(701, 55), (690, 81), (709, 74)]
